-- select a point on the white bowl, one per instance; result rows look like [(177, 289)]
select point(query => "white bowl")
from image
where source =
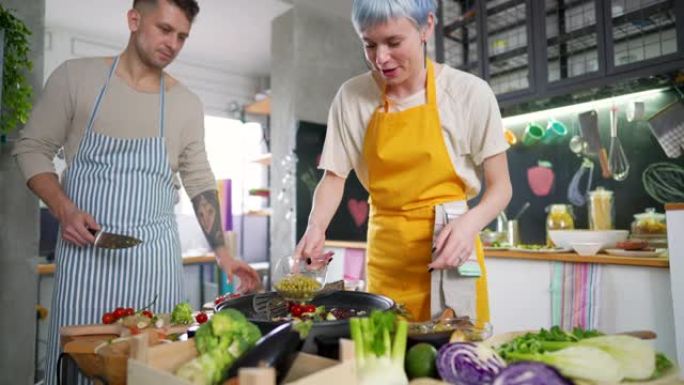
[(586, 249), (607, 238)]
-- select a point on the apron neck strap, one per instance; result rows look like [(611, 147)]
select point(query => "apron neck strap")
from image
[(430, 89), (103, 91)]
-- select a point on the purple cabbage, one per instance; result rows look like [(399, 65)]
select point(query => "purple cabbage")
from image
[(466, 363), (530, 373)]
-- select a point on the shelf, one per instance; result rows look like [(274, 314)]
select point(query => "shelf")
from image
[(603, 259), (562, 257), (49, 268), (265, 159), (261, 107), (258, 213)]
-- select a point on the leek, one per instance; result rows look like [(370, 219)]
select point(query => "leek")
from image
[(583, 362), (379, 359), (636, 357)]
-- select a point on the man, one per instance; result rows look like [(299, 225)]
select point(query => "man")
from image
[(127, 128)]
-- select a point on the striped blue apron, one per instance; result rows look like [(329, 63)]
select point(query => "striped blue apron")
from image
[(127, 186)]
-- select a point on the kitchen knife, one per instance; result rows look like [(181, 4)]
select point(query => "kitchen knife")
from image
[(113, 241)]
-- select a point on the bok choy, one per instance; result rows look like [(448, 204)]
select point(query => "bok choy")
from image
[(379, 358)]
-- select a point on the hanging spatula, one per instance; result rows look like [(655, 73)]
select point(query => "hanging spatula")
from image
[(590, 131)]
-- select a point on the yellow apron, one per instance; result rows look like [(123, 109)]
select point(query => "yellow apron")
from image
[(410, 172)]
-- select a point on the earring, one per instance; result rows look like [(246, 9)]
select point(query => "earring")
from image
[(424, 54)]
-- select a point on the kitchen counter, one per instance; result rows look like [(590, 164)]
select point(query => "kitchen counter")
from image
[(563, 257), (49, 268)]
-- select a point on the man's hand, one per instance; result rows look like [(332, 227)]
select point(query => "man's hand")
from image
[(249, 278), (454, 244), (75, 224)]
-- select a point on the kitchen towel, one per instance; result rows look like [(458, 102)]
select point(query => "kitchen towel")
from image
[(454, 288), (575, 299)]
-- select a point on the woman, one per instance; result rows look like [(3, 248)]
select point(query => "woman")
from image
[(417, 134)]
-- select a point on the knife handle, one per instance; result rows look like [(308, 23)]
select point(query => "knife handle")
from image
[(96, 234), (605, 167)]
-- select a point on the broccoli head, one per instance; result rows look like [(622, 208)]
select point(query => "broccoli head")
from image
[(205, 340), (182, 314), (228, 322)]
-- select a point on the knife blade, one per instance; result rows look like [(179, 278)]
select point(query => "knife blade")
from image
[(113, 241)]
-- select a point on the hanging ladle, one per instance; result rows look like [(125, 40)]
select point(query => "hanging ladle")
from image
[(577, 143)]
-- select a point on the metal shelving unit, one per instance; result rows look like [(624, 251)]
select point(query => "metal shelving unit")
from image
[(580, 45)]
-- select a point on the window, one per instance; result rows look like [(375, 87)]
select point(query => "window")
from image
[(230, 145)]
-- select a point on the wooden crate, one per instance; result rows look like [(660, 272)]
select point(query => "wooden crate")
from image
[(157, 365)]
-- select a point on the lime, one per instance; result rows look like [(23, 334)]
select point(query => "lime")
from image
[(420, 361)]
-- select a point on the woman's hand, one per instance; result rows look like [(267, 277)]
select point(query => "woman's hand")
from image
[(454, 244), (249, 278), (310, 248)]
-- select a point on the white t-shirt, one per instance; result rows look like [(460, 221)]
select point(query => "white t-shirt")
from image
[(468, 112)]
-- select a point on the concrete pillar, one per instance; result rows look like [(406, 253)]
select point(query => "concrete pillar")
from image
[(19, 231), (313, 52)]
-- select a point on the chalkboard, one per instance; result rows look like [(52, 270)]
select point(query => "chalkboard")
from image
[(640, 146), (350, 222)]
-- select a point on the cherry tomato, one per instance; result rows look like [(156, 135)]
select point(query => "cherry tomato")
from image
[(129, 311), (119, 312), (201, 318), (108, 318), (296, 310), (147, 314), (308, 308)]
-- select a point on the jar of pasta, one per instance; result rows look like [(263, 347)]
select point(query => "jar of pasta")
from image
[(601, 214), (559, 218)]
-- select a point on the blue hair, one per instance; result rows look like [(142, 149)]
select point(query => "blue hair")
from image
[(367, 13)]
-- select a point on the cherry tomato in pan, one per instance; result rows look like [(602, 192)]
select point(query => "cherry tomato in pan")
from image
[(129, 311), (297, 310), (201, 318), (147, 314), (308, 308), (108, 318)]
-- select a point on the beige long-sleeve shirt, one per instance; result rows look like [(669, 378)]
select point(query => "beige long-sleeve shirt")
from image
[(60, 116), (468, 111)]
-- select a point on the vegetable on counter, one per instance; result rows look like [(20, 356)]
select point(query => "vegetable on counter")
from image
[(468, 363), (530, 373), (579, 362), (220, 341), (379, 358), (182, 314), (588, 354)]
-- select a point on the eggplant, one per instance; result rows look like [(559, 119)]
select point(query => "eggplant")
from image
[(277, 349)]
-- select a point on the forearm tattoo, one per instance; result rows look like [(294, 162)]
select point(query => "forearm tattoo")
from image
[(208, 214)]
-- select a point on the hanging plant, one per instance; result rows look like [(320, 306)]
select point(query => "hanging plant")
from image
[(16, 90)]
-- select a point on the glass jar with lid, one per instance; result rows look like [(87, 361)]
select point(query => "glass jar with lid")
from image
[(559, 218), (601, 213), (649, 222)]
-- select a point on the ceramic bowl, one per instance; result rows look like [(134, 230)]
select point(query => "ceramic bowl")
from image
[(587, 249), (607, 238)]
